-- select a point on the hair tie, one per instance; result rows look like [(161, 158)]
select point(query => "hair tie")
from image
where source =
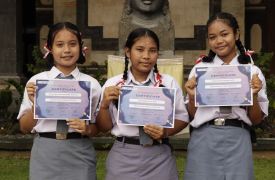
[(157, 79), (200, 59), (48, 51), (121, 82), (83, 50), (249, 53)]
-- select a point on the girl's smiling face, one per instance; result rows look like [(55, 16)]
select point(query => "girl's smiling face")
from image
[(222, 39), (65, 50), (143, 55)]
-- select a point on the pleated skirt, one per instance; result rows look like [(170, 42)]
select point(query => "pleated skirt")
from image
[(219, 153), (136, 162), (72, 159)]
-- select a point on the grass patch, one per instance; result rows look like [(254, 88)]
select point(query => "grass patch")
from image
[(18, 168)]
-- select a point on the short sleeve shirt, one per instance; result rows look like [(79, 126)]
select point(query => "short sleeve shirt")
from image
[(167, 81), (205, 114), (44, 125)]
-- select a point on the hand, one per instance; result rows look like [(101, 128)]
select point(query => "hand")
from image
[(79, 125), (255, 83), (190, 87), (156, 132), (110, 93), (31, 90)]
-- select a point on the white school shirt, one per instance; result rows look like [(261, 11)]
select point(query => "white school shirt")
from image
[(205, 114), (44, 125), (167, 80)]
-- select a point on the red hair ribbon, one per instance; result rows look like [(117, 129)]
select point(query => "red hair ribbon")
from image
[(200, 59), (249, 53), (83, 50), (48, 51), (157, 79)]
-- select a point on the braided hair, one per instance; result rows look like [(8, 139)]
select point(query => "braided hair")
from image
[(133, 37), (231, 21), (53, 32)]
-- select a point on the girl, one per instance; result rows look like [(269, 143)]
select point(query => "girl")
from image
[(223, 152), (52, 157), (128, 159)]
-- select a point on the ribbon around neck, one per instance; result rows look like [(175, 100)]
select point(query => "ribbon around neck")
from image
[(157, 79)]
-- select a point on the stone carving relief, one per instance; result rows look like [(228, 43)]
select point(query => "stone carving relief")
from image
[(151, 14)]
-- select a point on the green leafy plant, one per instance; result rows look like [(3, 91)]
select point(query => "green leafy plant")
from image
[(37, 67), (6, 98), (101, 71), (263, 63), (106, 146)]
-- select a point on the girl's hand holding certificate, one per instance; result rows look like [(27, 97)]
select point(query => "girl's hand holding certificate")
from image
[(256, 84), (156, 132), (190, 87), (31, 90), (79, 125), (110, 93)]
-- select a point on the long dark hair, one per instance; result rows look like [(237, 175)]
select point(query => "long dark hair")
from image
[(231, 21), (53, 32)]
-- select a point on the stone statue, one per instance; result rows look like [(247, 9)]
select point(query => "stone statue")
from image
[(151, 14)]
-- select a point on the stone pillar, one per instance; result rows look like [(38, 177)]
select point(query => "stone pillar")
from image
[(11, 50)]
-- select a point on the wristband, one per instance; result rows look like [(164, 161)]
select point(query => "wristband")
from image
[(255, 97), (104, 107)]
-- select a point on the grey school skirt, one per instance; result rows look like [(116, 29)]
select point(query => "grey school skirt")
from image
[(70, 159), (219, 153), (135, 162)]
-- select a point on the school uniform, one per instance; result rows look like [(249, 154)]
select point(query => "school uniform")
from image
[(67, 158), (222, 152), (134, 161)]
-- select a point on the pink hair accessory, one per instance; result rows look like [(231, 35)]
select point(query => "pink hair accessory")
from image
[(249, 53), (48, 51), (200, 59)]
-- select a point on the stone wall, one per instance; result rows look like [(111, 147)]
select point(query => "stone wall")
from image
[(102, 19)]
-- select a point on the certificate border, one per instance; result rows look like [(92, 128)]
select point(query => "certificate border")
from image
[(229, 104), (62, 80), (117, 118)]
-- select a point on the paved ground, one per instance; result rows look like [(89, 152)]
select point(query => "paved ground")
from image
[(26, 154)]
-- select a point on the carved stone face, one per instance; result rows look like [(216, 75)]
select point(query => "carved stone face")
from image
[(147, 6)]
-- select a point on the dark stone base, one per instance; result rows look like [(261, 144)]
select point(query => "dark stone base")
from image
[(21, 79)]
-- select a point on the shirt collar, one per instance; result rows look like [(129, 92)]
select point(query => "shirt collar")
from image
[(55, 72), (218, 61), (132, 78)]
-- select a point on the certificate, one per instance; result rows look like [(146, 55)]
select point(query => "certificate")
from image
[(62, 99), (140, 105), (226, 85)]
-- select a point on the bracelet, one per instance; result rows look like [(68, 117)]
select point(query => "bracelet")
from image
[(104, 107), (191, 101), (255, 97)]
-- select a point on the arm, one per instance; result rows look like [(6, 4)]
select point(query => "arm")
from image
[(80, 126), (27, 122), (103, 119), (255, 112), (157, 132), (190, 89)]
